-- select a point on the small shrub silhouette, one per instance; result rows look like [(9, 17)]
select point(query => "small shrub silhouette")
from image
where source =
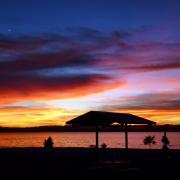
[(92, 146), (103, 145), (48, 143)]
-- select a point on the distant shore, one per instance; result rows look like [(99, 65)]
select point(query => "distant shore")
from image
[(77, 163), (157, 128)]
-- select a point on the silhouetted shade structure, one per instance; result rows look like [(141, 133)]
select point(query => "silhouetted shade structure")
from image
[(99, 118)]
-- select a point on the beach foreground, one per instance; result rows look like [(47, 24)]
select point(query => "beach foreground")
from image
[(79, 163)]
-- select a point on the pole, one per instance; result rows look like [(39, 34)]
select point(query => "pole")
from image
[(97, 149), (126, 142)]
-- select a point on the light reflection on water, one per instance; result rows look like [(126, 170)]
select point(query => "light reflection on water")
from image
[(85, 139)]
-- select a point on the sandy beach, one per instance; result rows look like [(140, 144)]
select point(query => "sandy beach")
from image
[(79, 163)]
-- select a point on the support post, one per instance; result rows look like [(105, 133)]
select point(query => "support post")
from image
[(126, 142), (97, 150)]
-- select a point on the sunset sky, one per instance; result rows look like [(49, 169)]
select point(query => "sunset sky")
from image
[(61, 58)]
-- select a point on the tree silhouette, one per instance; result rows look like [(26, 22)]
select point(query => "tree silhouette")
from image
[(149, 140)]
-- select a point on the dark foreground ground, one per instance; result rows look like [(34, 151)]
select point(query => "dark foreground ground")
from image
[(79, 163)]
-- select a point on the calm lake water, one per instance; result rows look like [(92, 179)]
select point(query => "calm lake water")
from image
[(85, 139)]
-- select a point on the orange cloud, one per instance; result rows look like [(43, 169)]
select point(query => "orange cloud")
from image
[(159, 116), (31, 91)]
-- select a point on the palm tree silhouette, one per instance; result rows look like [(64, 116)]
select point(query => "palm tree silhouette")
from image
[(149, 140)]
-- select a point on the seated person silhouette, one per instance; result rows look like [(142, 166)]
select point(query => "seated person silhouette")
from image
[(48, 143), (165, 142)]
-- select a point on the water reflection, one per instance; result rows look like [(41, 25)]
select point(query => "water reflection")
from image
[(84, 139)]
